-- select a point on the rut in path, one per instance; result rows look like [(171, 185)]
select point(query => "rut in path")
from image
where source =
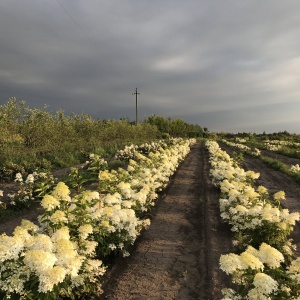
[(178, 256)]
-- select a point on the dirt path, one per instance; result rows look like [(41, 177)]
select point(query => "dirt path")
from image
[(178, 256)]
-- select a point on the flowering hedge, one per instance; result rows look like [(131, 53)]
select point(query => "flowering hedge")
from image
[(266, 268), (62, 258), (242, 147)]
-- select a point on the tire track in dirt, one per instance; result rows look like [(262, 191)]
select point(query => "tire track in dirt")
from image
[(178, 256)]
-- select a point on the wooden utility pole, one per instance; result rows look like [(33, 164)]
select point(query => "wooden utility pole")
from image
[(136, 105)]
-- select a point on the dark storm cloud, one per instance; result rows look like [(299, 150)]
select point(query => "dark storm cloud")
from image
[(226, 65)]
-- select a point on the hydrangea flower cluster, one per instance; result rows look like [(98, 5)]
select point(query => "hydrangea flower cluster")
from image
[(266, 269), (146, 148), (295, 168), (127, 153)]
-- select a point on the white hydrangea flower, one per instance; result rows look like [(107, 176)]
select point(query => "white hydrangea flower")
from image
[(270, 256), (265, 284)]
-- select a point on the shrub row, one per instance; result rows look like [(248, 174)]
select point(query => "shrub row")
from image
[(265, 266), (63, 257)]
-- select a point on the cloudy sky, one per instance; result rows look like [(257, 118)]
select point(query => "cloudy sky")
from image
[(226, 65)]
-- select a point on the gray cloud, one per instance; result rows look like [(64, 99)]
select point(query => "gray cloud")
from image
[(226, 65)]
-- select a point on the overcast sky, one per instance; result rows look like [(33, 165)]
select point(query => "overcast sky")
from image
[(226, 65)]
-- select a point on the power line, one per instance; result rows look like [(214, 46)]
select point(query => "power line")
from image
[(76, 23)]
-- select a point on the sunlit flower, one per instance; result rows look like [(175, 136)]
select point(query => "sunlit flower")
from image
[(85, 230), (230, 294), (51, 277), (95, 266), (231, 262), (130, 168), (112, 199), (10, 247), (24, 238), (29, 179), (90, 195), (251, 261), (270, 256), (265, 284), (19, 177), (62, 192), (88, 248), (39, 260), (28, 225), (279, 196), (262, 190), (125, 189), (294, 269), (42, 242), (49, 202), (58, 217), (61, 234)]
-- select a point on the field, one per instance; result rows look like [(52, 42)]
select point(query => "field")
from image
[(178, 256)]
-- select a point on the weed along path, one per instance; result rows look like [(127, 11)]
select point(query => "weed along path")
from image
[(178, 256)]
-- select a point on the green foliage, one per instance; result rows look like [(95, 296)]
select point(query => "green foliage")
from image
[(237, 158), (115, 164), (274, 163), (175, 127)]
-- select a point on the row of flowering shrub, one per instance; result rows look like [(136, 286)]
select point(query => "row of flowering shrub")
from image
[(62, 258), (244, 148), (291, 170), (266, 266)]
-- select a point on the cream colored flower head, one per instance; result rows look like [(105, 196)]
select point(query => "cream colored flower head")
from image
[(23, 236), (90, 195), (270, 256), (61, 234), (251, 261), (279, 196), (28, 225), (265, 284), (49, 203), (62, 192), (262, 190), (58, 217), (51, 277), (39, 260), (231, 262), (10, 247), (85, 230), (42, 242)]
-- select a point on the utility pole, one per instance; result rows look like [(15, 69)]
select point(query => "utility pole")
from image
[(136, 105)]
